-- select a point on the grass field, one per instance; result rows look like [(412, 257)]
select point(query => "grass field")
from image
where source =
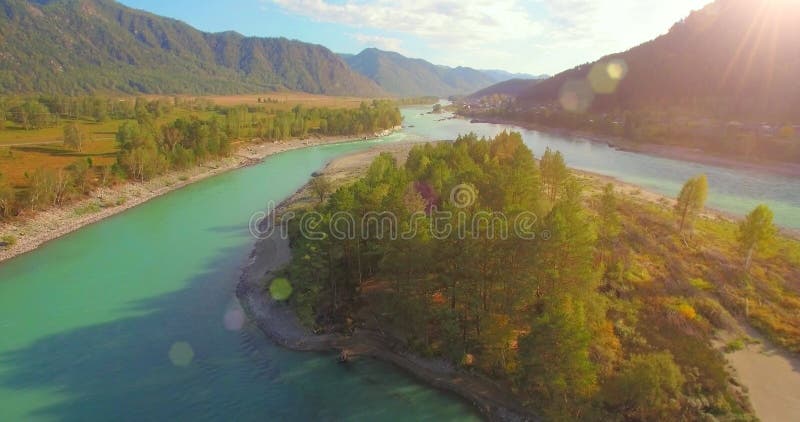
[(24, 151), (16, 161), (15, 135)]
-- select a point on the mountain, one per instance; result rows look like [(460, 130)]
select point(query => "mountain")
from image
[(731, 59), (510, 87), (502, 75), (87, 46), (409, 77)]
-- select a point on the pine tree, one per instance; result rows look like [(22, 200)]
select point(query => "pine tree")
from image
[(555, 362), (609, 217), (74, 136), (566, 256), (756, 230), (691, 200), (554, 172)]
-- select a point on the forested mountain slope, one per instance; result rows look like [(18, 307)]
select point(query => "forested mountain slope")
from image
[(74, 47), (731, 59), (409, 77)]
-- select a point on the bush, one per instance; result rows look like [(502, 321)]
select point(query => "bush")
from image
[(682, 308), (8, 241), (734, 345), (687, 311), (700, 284), (648, 387), (89, 208), (712, 311)]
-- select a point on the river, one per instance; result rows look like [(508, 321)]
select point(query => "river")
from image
[(134, 318), (735, 191)]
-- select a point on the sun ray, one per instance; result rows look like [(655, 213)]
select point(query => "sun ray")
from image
[(740, 48), (762, 21)]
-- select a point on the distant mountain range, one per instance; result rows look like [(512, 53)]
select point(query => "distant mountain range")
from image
[(83, 46), (407, 77), (511, 87), (733, 58), (502, 75)]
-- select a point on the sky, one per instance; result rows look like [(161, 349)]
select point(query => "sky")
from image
[(528, 36)]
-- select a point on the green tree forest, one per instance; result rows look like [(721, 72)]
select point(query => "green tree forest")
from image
[(594, 317)]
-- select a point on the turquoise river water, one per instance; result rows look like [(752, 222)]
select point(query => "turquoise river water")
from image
[(134, 318)]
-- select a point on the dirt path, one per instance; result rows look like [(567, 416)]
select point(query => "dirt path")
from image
[(772, 377)]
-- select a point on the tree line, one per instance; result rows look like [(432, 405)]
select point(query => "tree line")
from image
[(300, 122), (37, 112)]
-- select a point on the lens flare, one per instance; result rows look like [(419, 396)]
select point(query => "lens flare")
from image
[(605, 76), (617, 69), (576, 95), (280, 289), (181, 353), (234, 319)]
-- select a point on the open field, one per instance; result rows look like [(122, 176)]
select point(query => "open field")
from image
[(23, 150), (16, 161), (14, 135)]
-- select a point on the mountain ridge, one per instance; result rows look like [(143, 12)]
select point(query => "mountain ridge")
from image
[(405, 76), (91, 46)]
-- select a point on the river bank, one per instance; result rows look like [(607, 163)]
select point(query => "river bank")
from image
[(664, 151), (31, 232), (279, 322)]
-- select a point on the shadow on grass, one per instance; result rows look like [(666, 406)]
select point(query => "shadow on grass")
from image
[(60, 152)]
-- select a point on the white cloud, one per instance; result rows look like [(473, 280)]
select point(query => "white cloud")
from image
[(448, 22), (383, 43), (522, 35), (612, 24)]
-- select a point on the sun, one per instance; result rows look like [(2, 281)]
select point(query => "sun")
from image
[(768, 21)]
